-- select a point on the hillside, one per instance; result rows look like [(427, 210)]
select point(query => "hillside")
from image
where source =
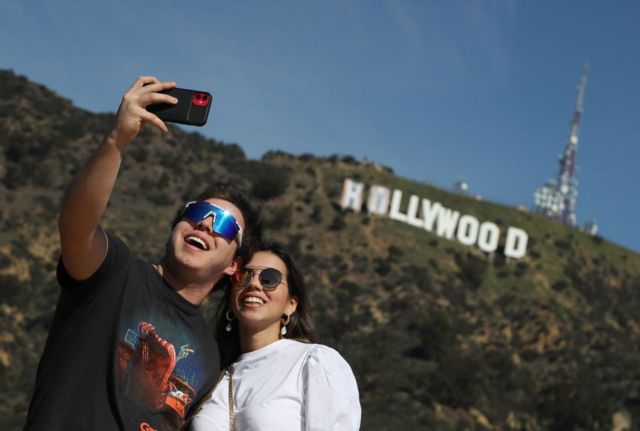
[(441, 336)]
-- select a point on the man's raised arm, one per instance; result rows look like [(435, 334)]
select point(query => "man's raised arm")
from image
[(82, 241)]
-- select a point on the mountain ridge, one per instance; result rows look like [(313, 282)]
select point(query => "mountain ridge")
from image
[(440, 335)]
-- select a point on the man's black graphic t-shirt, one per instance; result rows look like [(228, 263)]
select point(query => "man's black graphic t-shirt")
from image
[(125, 351)]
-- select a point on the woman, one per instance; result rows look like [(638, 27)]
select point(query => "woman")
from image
[(278, 379)]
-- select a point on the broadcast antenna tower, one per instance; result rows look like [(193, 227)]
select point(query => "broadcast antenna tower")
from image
[(558, 199), (567, 181)]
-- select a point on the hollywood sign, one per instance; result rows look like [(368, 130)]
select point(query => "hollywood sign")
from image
[(434, 217)]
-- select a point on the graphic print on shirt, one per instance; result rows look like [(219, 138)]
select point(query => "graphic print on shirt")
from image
[(155, 373)]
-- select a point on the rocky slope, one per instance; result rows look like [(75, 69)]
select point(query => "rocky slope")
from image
[(440, 335)]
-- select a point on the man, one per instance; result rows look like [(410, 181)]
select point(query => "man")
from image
[(128, 348)]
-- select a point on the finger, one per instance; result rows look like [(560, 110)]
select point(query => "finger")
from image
[(153, 119), (153, 98), (144, 80), (159, 86)]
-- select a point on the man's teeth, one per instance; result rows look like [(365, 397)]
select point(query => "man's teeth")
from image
[(253, 299), (195, 241)]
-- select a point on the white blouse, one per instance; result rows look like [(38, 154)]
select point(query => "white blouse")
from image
[(287, 385)]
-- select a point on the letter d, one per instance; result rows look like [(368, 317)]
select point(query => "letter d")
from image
[(515, 245)]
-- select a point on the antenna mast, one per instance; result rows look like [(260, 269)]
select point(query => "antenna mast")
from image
[(557, 199), (567, 181)]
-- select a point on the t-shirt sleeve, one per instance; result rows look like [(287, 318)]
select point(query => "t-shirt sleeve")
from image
[(117, 257), (331, 401)]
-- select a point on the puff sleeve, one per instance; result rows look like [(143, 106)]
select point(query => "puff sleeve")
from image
[(331, 399)]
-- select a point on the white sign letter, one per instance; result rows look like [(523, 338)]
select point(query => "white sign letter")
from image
[(468, 230), (515, 245), (447, 220), (412, 212), (429, 212), (351, 195), (395, 213), (488, 237), (378, 202)]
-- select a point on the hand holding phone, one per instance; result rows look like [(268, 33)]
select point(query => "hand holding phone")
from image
[(192, 107)]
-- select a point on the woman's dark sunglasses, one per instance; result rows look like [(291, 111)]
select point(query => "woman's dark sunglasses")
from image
[(269, 278)]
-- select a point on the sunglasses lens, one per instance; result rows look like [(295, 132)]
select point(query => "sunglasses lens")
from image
[(225, 224), (270, 278), (196, 211)]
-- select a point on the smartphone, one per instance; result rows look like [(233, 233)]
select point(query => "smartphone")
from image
[(192, 107)]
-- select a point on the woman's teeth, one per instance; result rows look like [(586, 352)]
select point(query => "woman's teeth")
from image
[(253, 300)]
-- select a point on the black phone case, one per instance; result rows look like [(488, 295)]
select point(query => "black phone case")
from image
[(192, 107)]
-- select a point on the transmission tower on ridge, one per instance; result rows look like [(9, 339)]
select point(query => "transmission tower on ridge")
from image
[(557, 199)]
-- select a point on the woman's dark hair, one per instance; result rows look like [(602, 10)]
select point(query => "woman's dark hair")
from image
[(300, 326)]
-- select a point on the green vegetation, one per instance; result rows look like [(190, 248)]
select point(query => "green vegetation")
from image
[(440, 336)]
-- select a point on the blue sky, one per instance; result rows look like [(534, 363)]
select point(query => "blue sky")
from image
[(479, 90)]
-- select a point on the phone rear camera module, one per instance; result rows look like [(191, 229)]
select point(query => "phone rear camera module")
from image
[(200, 99)]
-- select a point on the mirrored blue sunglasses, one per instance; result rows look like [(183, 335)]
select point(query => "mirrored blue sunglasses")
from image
[(224, 223)]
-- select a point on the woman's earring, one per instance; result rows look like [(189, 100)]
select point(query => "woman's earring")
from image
[(229, 317), (283, 330)]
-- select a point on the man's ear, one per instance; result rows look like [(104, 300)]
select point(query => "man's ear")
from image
[(235, 264)]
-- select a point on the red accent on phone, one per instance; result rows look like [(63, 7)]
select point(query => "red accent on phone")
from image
[(200, 99)]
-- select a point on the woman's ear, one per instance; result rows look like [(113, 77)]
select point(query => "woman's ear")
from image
[(292, 305)]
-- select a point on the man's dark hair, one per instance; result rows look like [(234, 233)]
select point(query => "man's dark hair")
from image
[(252, 232)]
